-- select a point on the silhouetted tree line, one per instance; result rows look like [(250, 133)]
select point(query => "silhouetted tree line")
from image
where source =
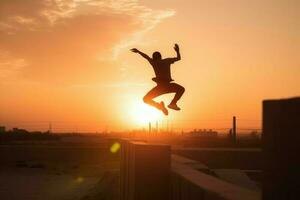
[(22, 134)]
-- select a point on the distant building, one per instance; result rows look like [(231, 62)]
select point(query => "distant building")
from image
[(203, 133), (2, 129), (19, 131)]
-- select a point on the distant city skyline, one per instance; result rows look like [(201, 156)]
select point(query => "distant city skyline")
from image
[(243, 126)]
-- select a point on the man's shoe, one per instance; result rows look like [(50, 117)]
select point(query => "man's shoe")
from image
[(163, 108), (173, 106)]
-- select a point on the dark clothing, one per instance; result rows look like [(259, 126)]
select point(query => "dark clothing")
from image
[(162, 70), (163, 79), (164, 88)]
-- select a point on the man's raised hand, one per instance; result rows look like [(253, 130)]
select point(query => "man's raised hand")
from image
[(176, 47), (135, 50)]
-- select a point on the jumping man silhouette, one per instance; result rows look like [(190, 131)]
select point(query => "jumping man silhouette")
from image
[(163, 80)]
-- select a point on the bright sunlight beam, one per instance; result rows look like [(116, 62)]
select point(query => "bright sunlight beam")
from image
[(142, 114)]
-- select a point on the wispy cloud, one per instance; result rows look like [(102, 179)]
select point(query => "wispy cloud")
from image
[(10, 66), (64, 38), (149, 20), (47, 13)]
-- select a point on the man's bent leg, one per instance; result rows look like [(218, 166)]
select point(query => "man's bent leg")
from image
[(178, 89), (148, 99)]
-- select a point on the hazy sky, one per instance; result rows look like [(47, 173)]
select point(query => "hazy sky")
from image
[(67, 61)]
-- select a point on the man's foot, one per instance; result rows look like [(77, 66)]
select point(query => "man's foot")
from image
[(173, 106), (163, 108)]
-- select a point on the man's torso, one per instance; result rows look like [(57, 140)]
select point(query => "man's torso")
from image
[(162, 69)]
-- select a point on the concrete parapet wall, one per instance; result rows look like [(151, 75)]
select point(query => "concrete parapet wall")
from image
[(9, 154), (145, 171), (148, 172), (281, 148)]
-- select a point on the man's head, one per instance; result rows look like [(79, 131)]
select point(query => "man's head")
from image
[(156, 55)]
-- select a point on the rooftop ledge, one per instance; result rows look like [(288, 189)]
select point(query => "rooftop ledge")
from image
[(187, 173)]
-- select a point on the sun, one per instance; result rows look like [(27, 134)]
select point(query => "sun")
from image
[(142, 114)]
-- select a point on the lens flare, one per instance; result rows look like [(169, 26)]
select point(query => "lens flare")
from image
[(79, 179), (115, 147)]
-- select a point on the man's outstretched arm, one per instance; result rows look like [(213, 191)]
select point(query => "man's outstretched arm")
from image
[(142, 54)]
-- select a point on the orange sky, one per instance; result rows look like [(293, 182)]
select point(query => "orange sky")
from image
[(67, 61)]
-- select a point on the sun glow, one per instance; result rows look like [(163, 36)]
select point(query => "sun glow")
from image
[(142, 114)]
